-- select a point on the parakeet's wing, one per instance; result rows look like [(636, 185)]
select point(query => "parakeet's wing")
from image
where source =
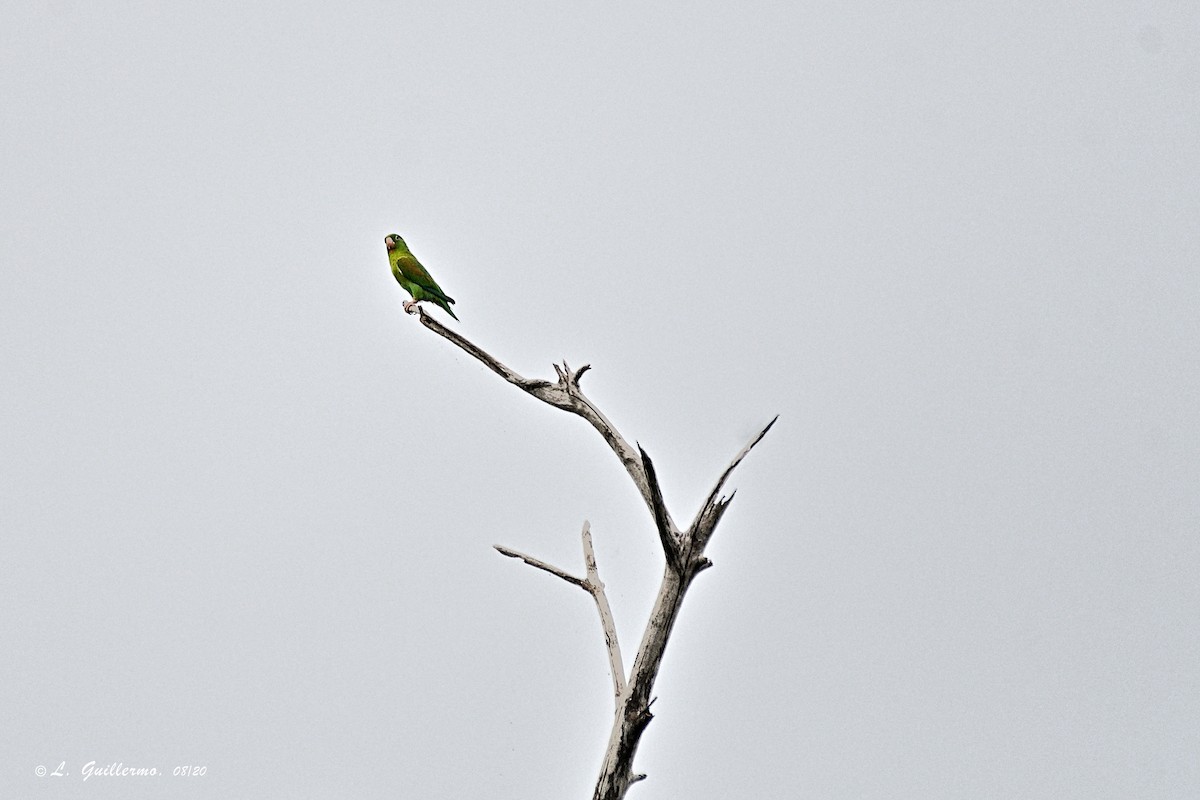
[(412, 270)]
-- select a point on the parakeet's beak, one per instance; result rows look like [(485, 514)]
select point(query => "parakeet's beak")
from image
[(389, 242)]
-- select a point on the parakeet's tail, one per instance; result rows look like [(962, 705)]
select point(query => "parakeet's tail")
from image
[(446, 305)]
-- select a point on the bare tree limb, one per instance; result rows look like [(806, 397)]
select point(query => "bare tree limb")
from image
[(595, 587), (704, 523), (662, 520), (487, 360), (542, 565), (616, 771), (564, 394), (682, 550)]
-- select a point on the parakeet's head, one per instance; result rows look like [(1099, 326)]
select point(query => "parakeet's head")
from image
[(392, 241)]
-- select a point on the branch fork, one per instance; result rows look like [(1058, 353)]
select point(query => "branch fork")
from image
[(593, 586), (683, 552)]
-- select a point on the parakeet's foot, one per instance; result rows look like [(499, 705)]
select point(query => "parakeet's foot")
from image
[(410, 306)]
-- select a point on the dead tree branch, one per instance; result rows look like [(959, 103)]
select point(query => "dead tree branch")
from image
[(537, 563), (683, 552), (564, 394), (595, 587)]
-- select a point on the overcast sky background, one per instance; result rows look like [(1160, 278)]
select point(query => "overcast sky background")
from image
[(247, 506)]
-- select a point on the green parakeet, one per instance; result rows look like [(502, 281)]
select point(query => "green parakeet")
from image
[(413, 277)]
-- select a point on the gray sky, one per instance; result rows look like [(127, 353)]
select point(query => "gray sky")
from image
[(247, 506)]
